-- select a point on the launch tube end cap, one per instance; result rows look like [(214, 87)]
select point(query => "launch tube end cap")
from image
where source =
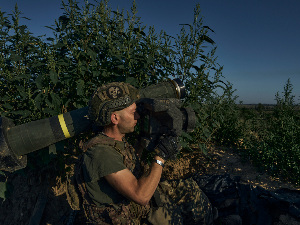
[(8, 160)]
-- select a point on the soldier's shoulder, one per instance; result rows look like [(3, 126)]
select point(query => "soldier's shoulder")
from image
[(98, 151), (100, 140)]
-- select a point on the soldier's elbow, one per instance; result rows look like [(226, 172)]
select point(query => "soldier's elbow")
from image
[(142, 202), (145, 203)]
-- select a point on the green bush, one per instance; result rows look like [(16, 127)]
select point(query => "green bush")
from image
[(279, 152), (39, 80), (277, 148)]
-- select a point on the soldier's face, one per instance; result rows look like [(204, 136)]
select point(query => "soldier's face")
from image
[(128, 119)]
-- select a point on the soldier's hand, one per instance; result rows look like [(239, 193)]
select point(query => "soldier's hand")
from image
[(168, 147)]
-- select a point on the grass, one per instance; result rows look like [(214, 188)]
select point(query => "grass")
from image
[(276, 148)]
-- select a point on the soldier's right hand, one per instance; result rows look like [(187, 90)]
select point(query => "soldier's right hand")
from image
[(168, 147)]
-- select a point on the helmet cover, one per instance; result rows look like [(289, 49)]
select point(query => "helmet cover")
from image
[(108, 98)]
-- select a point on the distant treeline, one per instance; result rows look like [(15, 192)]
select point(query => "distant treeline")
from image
[(266, 107), (263, 106)]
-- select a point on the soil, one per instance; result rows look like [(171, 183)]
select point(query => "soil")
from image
[(224, 160), (18, 209)]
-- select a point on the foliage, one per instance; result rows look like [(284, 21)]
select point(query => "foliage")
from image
[(260, 108), (40, 80), (278, 151), (6, 188)]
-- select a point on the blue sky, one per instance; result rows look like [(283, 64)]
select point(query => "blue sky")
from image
[(257, 41)]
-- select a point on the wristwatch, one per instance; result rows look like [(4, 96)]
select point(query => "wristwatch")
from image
[(158, 162)]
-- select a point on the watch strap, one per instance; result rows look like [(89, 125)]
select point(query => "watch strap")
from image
[(158, 162)]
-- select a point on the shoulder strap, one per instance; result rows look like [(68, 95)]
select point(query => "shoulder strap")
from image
[(97, 140)]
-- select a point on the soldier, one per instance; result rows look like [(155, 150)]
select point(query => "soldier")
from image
[(109, 175)]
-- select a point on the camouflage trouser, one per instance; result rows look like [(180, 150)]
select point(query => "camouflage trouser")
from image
[(180, 201), (122, 213)]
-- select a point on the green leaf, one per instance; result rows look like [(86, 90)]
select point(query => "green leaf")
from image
[(196, 68), (20, 88), (91, 53), (51, 27), (131, 80), (203, 138), (59, 45), (26, 76), (206, 133), (24, 113), (52, 149), (208, 28), (120, 66), (80, 85), (23, 95), (53, 76), (4, 113), (37, 64), (37, 100), (61, 62), (15, 58), (50, 111), (5, 98), (3, 190), (195, 106), (55, 99), (208, 39), (150, 59), (7, 106), (96, 73), (137, 31), (183, 143), (90, 83), (48, 102), (22, 29), (205, 116), (203, 148), (66, 101), (8, 62), (26, 18), (186, 135), (38, 81), (217, 123)]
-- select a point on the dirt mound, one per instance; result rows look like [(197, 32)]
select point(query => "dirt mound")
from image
[(19, 208)]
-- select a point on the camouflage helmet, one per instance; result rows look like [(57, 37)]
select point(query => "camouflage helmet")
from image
[(109, 98)]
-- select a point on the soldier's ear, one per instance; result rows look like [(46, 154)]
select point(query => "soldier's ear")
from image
[(115, 118)]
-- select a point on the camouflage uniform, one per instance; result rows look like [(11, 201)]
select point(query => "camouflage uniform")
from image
[(173, 202)]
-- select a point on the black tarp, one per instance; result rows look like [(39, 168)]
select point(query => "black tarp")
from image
[(245, 204)]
